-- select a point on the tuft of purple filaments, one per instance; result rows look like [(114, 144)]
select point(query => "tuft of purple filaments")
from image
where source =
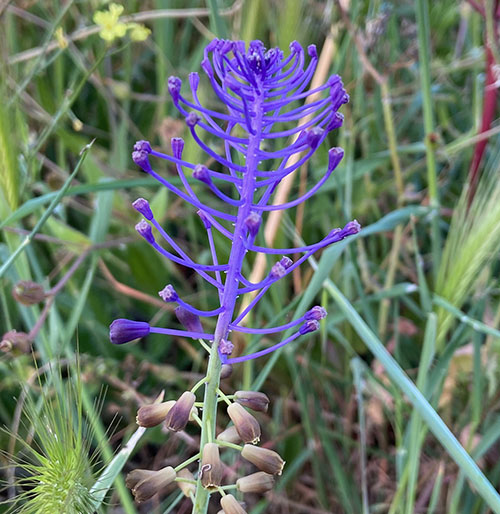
[(259, 144)]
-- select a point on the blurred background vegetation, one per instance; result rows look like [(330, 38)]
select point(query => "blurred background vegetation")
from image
[(420, 173)]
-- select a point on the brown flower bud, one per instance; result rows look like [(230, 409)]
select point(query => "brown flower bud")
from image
[(230, 435), (178, 416), (247, 426), (186, 487), (259, 482), (211, 466), (226, 371), (15, 340), (230, 505), (28, 292), (252, 399), (145, 484), (151, 415), (266, 460)]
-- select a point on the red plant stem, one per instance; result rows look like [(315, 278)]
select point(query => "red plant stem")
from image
[(489, 104)]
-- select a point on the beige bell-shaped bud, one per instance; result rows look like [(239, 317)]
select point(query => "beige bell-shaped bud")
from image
[(186, 487), (266, 460), (230, 435), (211, 466), (252, 399), (145, 483), (247, 426), (178, 416), (230, 505), (259, 482), (151, 415)]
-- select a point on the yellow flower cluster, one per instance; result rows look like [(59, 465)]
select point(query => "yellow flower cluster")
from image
[(112, 27)]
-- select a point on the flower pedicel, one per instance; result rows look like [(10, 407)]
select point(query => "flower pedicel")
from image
[(271, 126)]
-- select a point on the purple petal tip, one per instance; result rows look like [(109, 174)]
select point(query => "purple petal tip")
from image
[(125, 330)]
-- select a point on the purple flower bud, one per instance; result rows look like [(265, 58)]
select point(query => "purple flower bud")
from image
[(142, 206), (145, 484), (168, 294), (141, 158), (336, 121), (277, 271), (317, 313), (174, 87), (145, 231), (207, 67), (295, 47), (204, 219), (353, 227), (309, 326), (313, 136), (311, 50), (200, 173), (194, 80), (151, 415), (192, 119), (226, 347), (253, 222), (142, 146), (286, 262), (334, 157), (189, 320), (125, 330), (177, 144)]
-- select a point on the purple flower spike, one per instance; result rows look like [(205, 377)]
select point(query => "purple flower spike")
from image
[(145, 231), (270, 125), (309, 326), (168, 294), (125, 330), (315, 313), (142, 206)]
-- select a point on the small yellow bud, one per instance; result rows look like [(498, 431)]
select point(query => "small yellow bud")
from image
[(138, 31), (62, 42)]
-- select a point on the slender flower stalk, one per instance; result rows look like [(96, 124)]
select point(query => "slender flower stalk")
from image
[(263, 141)]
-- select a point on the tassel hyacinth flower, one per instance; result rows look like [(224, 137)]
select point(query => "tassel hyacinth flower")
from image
[(272, 124)]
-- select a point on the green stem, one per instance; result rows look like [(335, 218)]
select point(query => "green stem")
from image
[(208, 421), (422, 12)]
